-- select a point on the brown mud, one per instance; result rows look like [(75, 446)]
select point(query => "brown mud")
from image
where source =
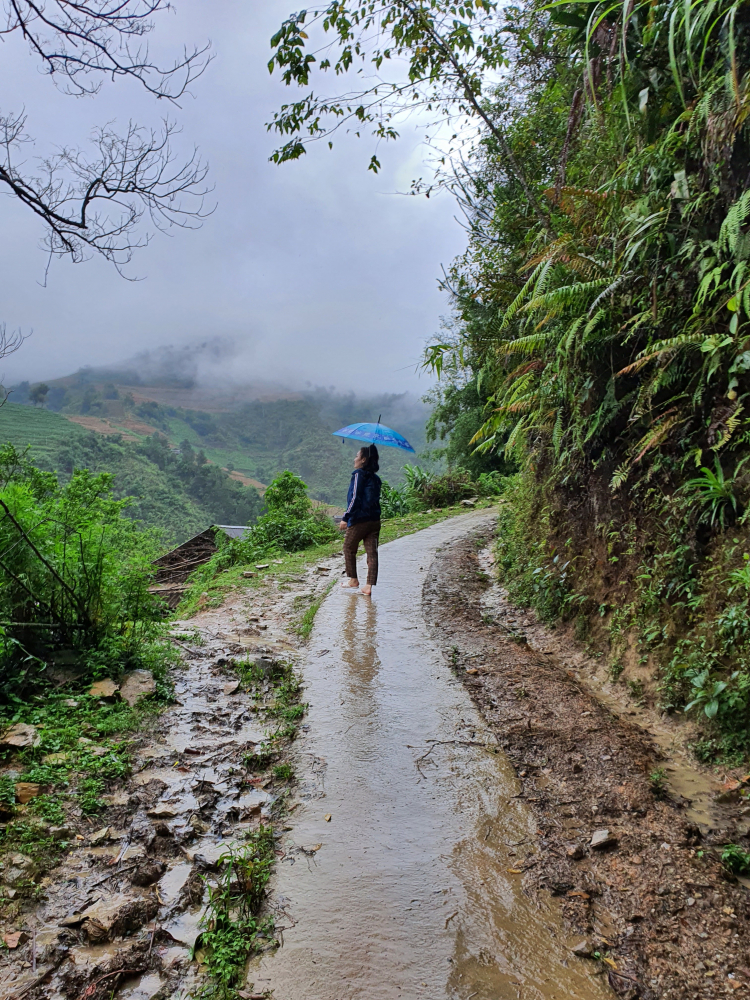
[(653, 902), (130, 895)]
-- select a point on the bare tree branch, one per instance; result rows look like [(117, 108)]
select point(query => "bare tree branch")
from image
[(93, 202), (81, 43)]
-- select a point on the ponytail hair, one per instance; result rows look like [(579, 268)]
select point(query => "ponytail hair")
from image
[(370, 455)]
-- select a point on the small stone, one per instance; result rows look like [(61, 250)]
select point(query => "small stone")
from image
[(584, 949), (729, 791), (327, 817), (20, 736), (248, 574), (7, 893), (136, 685), (231, 687), (575, 852), (55, 758), (602, 838), (116, 916), (14, 938), (17, 869), (104, 689), (163, 810), (26, 791), (99, 837), (60, 832), (262, 565)]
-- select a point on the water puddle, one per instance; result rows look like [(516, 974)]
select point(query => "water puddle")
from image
[(402, 875)]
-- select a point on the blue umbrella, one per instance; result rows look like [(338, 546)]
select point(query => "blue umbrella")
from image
[(374, 434)]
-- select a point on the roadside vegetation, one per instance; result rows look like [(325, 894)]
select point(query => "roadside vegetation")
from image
[(292, 534), (605, 352), (600, 338), (74, 609)]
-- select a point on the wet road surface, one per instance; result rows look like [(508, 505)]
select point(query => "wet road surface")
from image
[(406, 891)]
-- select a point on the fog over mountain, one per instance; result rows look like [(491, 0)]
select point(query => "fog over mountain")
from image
[(317, 271)]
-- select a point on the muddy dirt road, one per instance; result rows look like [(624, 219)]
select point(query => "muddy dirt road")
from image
[(454, 771), (400, 876)]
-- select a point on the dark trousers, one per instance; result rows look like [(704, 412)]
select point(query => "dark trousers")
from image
[(369, 533)]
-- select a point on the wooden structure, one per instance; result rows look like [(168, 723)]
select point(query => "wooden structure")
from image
[(174, 568)]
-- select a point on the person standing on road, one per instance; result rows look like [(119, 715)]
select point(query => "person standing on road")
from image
[(361, 520)]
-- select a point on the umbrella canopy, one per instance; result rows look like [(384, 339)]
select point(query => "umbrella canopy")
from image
[(375, 434)]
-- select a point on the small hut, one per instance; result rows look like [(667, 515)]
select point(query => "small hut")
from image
[(174, 568)]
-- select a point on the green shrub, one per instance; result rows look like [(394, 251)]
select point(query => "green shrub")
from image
[(74, 576), (736, 860)]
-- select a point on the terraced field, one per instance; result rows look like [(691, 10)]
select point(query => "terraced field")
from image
[(43, 430)]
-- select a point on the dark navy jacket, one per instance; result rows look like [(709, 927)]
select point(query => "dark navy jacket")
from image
[(363, 498)]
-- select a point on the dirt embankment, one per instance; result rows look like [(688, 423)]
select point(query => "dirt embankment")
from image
[(652, 902)]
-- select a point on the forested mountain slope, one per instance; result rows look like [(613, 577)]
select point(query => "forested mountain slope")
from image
[(258, 438), (178, 494), (601, 339)]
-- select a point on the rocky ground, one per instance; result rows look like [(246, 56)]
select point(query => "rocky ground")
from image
[(635, 862), (122, 911)]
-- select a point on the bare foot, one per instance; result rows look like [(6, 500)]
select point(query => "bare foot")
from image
[(366, 589), (351, 584)]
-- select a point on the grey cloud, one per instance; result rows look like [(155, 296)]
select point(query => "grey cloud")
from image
[(313, 271)]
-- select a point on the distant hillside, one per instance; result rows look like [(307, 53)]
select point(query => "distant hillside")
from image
[(253, 438), (181, 494)]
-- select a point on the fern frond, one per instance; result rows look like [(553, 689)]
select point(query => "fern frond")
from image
[(731, 228)]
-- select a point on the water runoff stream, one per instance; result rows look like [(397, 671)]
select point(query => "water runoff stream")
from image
[(401, 873)]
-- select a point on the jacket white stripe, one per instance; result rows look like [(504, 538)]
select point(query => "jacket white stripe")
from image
[(354, 495)]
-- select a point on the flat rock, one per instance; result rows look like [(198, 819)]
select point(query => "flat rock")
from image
[(99, 837), (116, 915), (104, 689), (231, 687), (602, 838), (17, 868), (575, 852), (26, 791), (55, 758), (136, 685), (584, 949), (13, 938), (20, 736)]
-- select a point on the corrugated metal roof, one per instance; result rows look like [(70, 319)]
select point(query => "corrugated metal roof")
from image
[(232, 530)]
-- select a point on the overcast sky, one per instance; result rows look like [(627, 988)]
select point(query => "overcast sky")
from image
[(321, 270)]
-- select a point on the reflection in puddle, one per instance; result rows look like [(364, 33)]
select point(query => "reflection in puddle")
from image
[(409, 894)]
